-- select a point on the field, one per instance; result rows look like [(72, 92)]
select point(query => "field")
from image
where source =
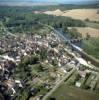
[(65, 92), (68, 91), (92, 24), (81, 14), (91, 28), (88, 30), (91, 46)]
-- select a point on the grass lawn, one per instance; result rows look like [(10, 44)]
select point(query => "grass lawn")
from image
[(65, 92)]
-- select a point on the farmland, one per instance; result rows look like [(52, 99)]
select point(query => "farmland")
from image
[(89, 16), (82, 14), (71, 93), (88, 31)]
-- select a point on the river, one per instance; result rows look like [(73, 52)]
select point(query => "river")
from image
[(66, 37), (78, 47)]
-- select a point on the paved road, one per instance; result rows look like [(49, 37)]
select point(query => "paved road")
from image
[(58, 84)]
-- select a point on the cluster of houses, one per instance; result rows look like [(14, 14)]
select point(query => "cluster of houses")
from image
[(12, 49), (7, 81)]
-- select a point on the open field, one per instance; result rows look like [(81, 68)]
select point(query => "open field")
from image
[(81, 14), (65, 92), (88, 30), (57, 12)]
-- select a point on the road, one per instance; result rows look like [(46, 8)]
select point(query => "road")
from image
[(58, 84)]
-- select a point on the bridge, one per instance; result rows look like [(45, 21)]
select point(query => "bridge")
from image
[(66, 40), (79, 50), (76, 40)]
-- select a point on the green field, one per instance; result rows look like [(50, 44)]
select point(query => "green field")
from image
[(91, 46), (65, 92), (68, 91), (92, 24)]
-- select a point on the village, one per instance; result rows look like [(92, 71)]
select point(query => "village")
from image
[(57, 59)]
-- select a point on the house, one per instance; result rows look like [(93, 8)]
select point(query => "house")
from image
[(78, 84), (82, 73), (18, 82)]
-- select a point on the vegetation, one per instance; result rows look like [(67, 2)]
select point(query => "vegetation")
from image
[(31, 68), (42, 8), (65, 92), (68, 91), (23, 20), (1, 29), (24, 72), (31, 20), (91, 46), (73, 33), (92, 24), (98, 12)]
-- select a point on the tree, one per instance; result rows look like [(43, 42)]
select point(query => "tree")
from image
[(98, 12), (87, 20), (87, 36), (64, 28), (74, 34), (52, 98)]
